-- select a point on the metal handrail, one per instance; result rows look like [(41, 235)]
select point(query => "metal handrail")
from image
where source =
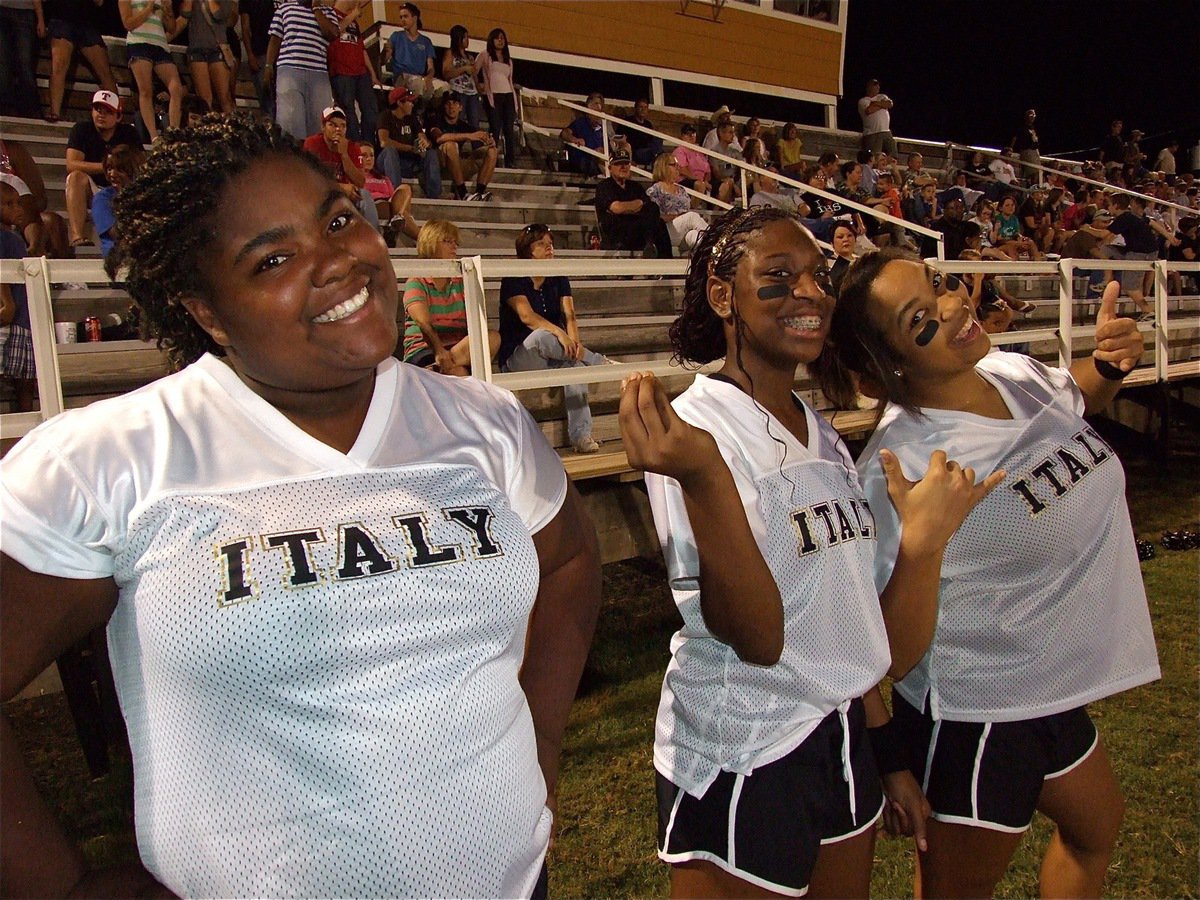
[(777, 176)]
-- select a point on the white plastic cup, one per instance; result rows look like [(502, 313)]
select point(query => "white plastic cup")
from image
[(66, 332)]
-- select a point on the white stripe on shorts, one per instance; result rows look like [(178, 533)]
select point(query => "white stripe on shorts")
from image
[(730, 838), (983, 736)]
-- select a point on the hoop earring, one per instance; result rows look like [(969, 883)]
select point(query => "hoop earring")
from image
[(897, 373)]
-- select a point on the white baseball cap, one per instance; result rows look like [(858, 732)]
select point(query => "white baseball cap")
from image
[(107, 98), (16, 184)]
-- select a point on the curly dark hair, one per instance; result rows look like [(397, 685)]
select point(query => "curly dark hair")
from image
[(165, 222), (856, 345), (697, 335)]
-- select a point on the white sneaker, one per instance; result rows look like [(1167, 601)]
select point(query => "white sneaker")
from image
[(586, 445)]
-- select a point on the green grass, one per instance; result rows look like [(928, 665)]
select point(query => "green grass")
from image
[(605, 843)]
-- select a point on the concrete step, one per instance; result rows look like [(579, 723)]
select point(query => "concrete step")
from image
[(499, 211), (504, 234)]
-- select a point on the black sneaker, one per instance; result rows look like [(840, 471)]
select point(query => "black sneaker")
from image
[(460, 192)]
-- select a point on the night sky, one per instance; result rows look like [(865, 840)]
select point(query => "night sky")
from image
[(966, 70)]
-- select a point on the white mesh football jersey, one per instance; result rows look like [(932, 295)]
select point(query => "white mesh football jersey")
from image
[(1041, 603), (316, 652), (806, 512)]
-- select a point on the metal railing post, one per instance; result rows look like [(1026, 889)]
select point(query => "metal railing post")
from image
[(477, 321), (41, 326), (1065, 311), (1162, 354)]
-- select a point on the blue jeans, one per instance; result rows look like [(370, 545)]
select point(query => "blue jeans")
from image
[(473, 110), (541, 350), (351, 89), (366, 206), (265, 93), (300, 97), (427, 168), (18, 60)]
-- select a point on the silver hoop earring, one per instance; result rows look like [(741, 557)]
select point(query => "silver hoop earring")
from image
[(897, 373)]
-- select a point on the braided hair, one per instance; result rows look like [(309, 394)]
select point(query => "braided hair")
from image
[(165, 222), (697, 335)]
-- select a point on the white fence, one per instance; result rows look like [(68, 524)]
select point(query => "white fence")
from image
[(39, 274)]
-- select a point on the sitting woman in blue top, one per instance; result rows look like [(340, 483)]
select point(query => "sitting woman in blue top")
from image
[(121, 166), (538, 331)]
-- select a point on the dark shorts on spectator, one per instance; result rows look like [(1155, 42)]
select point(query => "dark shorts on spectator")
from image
[(205, 54), (156, 55), (77, 34), (990, 774)]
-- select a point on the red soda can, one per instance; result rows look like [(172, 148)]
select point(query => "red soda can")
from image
[(91, 328)]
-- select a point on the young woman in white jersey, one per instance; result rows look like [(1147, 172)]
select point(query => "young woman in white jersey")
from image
[(1040, 609), (766, 777), (347, 600)]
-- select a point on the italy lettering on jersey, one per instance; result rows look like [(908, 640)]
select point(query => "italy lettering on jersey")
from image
[(356, 551), (1041, 607), (1059, 472), (838, 526)]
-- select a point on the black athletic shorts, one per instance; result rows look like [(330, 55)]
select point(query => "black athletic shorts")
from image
[(767, 827), (990, 774)]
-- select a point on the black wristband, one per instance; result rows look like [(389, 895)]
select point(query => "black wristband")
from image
[(886, 747), (1108, 371)]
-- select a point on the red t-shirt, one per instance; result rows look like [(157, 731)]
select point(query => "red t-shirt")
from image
[(315, 144), (346, 53)]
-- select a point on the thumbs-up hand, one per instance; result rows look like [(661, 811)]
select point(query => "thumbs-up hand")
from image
[(931, 509), (1118, 341)]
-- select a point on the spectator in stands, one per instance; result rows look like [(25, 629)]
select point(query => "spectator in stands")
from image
[(953, 228), (458, 69), (720, 116), (1075, 214), (1003, 172), (410, 53), (915, 175), (674, 204), (1007, 234), (538, 330), (342, 157), (922, 206), (1025, 143), (628, 219), (1186, 250), (586, 130), (256, 18), (1138, 232), (120, 167), (644, 147), (751, 128), (694, 169), (87, 146), (16, 340), (192, 110), (398, 199), (45, 232), (435, 327), (405, 150), (726, 175), (75, 24), (462, 148), (298, 66), (1037, 221), (352, 75), (789, 150), (22, 22), (768, 192), (870, 179), (1135, 159), (1165, 161), (977, 232), (979, 176), (842, 240), (148, 23), (496, 68), (210, 57), (852, 189), (1112, 148), (876, 112), (754, 151)]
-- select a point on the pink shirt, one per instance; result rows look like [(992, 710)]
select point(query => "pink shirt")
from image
[(692, 163)]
